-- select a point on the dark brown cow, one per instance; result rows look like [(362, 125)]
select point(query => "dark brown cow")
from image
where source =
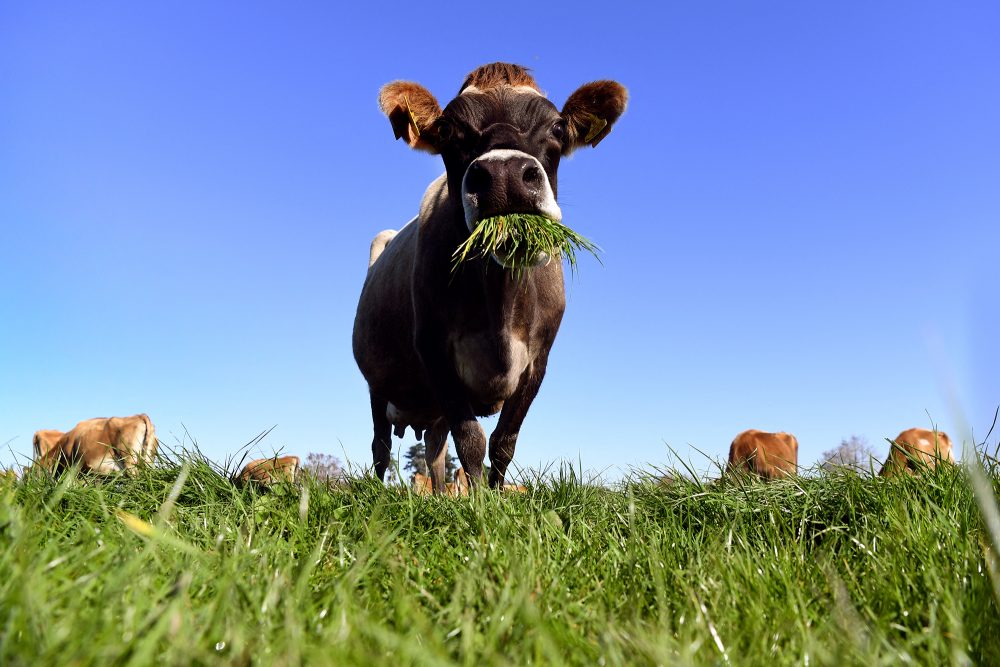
[(770, 455), (102, 445), (915, 448), (270, 471), (440, 348)]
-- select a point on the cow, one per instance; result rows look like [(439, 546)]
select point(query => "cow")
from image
[(269, 471), (45, 441), (423, 486), (101, 445), (915, 448), (440, 347), (379, 243), (769, 455)]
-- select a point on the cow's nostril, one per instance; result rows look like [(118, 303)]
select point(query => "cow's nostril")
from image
[(478, 179), (532, 176)]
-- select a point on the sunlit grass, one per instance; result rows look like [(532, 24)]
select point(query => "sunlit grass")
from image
[(519, 238), (178, 566)]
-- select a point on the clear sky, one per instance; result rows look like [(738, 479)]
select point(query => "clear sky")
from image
[(799, 213)]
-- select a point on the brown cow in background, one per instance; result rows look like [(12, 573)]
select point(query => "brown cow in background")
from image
[(916, 447), (102, 445), (270, 471), (423, 485), (44, 442), (770, 455)]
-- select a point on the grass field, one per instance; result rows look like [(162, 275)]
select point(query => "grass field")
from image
[(176, 566)]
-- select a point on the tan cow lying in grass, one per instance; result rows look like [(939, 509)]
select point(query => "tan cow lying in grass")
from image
[(270, 471), (422, 485), (102, 445), (770, 455), (915, 448)]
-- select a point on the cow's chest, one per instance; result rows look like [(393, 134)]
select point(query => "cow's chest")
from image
[(490, 365)]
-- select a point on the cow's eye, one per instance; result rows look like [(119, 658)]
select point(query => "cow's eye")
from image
[(445, 130), (559, 130)]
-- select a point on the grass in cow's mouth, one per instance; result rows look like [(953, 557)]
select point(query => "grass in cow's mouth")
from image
[(519, 238)]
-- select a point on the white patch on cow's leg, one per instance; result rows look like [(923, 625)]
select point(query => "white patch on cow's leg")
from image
[(545, 200)]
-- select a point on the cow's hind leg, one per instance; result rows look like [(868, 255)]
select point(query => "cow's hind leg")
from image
[(382, 440), (436, 449), (504, 436)]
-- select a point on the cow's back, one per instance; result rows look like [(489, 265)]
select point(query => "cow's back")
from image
[(107, 444), (770, 455), (383, 338), (917, 447), (383, 325), (89, 443), (271, 470)]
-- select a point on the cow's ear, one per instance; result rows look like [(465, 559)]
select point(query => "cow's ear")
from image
[(411, 110), (590, 113)]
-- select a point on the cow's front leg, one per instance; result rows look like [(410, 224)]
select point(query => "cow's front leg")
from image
[(469, 437), (504, 436), (382, 440), (435, 451)]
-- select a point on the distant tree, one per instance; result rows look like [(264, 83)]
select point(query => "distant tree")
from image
[(416, 463), (392, 477), (853, 453), (323, 467), (450, 467)]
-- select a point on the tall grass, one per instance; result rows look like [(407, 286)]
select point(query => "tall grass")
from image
[(177, 566)]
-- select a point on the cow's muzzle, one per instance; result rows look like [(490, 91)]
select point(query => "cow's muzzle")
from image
[(505, 181)]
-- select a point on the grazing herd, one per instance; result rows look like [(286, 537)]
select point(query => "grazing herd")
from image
[(441, 344), (120, 444), (773, 455)]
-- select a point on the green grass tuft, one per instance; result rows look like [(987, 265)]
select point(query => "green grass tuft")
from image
[(177, 566), (519, 237)]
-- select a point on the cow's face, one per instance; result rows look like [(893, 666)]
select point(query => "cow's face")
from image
[(501, 150), (501, 139)]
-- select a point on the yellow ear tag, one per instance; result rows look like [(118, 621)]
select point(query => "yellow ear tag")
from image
[(413, 119), (596, 126)]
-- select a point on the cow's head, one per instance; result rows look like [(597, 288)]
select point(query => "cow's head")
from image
[(500, 138)]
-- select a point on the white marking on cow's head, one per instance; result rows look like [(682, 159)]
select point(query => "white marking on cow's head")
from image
[(474, 90)]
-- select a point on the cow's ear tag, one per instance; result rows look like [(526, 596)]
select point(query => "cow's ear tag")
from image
[(414, 129), (404, 123), (597, 125)]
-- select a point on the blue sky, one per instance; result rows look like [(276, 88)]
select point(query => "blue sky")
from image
[(798, 211)]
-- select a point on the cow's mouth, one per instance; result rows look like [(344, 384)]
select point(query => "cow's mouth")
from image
[(520, 241)]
